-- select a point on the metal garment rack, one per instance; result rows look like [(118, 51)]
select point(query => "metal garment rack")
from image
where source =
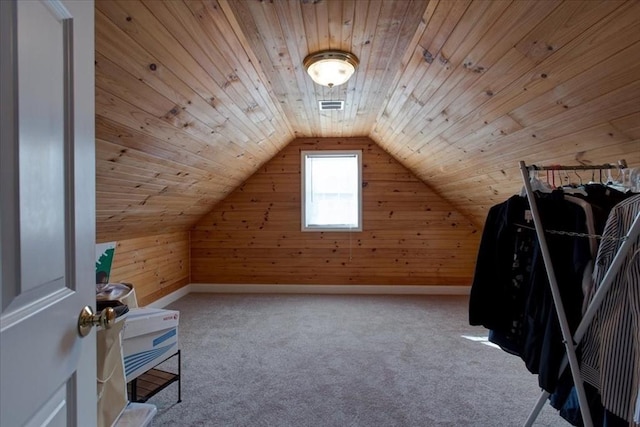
[(569, 341)]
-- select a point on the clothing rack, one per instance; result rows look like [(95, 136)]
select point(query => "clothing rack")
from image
[(570, 341), (622, 164)]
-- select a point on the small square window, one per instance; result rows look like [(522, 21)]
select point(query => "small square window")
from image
[(331, 190)]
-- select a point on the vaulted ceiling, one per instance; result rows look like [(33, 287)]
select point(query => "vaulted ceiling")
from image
[(192, 97)]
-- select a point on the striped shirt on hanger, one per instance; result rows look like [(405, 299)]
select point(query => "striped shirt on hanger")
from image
[(611, 345)]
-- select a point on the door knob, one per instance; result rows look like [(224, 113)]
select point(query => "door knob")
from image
[(87, 319)]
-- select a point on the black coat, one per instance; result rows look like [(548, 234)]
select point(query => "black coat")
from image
[(510, 294)]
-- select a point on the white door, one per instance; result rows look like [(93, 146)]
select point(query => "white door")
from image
[(47, 220)]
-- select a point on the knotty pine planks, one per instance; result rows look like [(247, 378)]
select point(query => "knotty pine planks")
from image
[(156, 265), (193, 97), (411, 235)]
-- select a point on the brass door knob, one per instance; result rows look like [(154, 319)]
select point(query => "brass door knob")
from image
[(88, 319)]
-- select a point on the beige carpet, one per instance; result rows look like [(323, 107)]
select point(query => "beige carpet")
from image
[(324, 360)]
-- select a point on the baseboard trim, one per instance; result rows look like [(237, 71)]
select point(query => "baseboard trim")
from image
[(215, 288), (173, 296), (329, 289)]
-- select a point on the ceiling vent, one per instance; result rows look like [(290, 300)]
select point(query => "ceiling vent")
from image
[(331, 105)]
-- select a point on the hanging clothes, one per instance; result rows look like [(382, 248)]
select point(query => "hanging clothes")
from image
[(497, 293), (510, 293), (565, 400), (572, 398), (587, 276), (611, 345), (601, 199)]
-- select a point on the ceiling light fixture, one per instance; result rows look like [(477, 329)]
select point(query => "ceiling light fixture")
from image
[(331, 67)]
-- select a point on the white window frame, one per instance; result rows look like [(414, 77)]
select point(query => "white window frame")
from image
[(303, 199)]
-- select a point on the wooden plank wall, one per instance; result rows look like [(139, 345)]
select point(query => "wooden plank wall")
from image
[(411, 235), (155, 265)]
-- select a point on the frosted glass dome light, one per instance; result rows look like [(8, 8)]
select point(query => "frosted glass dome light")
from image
[(331, 67)]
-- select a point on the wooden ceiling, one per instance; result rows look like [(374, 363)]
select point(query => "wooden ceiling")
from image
[(192, 97)]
